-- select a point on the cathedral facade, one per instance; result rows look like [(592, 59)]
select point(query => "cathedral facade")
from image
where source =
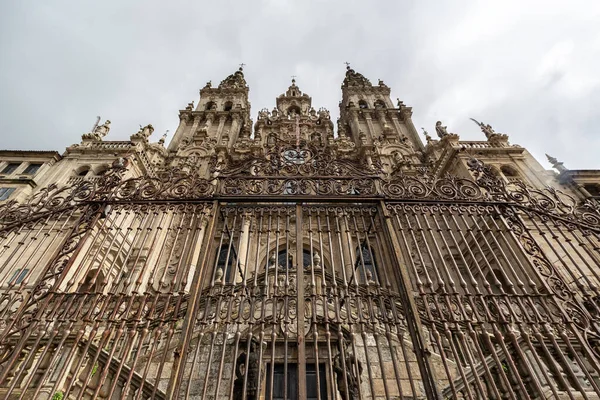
[(297, 258)]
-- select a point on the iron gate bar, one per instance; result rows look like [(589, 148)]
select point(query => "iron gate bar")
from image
[(188, 325), (413, 320)]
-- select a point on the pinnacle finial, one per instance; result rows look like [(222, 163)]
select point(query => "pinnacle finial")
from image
[(558, 165), (242, 66), (347, 65), (294, 79)]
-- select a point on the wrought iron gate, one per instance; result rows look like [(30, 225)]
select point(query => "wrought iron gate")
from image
[(136, 290)]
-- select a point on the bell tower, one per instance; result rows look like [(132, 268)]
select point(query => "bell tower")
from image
[(368, 115), (221, 116)]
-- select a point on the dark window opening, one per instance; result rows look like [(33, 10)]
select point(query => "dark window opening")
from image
[(210, 105), (83, 172), (228, 106), (18, 276), (363, 104), (286, 260), (10, 168), (32, 169), (593, 189), (226, 262), (293, 110), (379, 104), (366, 266), (509, 172), (315, 382), (5, 193)]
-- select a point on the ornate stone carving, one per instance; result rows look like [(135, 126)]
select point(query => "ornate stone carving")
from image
[(98, 132), (144, 132), (440, 130), (233, 81), (355, 79)]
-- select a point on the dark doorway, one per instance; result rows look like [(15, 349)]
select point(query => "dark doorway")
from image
[(312, 388)]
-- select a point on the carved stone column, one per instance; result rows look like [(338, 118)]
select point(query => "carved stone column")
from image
[(219, 134), (234, 132)]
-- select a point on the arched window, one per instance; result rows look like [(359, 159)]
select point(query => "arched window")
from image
[(509, 171), (83, 171), (226, 262), (93, 282), (366, 265), (102, 170), (228, 106), (379, 104), (285, 259), (363, 104), (293, 110), (210, 105)]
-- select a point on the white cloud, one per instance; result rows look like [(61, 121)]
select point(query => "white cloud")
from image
[(527, 67)]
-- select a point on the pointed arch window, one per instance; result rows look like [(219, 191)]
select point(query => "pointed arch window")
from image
[(366, 264), (286, 260)]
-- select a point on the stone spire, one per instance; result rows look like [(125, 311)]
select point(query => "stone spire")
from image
[(558, 165)]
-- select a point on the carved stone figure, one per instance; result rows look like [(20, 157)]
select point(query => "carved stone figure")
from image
[(440, 130), (99, 131), (190, 106), (251, 363), (485, 128), (103, 129), (147, 130), (348, 378)]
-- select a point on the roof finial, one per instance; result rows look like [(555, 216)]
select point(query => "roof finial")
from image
[(294, 79), (347, 65), (242, 66), (558, 165)]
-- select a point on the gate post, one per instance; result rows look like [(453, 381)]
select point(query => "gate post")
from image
[(413, 321)]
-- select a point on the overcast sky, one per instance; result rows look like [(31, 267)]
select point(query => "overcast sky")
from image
[(531, 69)]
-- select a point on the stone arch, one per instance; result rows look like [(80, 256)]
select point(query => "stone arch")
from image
[(379, 104), (210, 105), (101, 169), (82, 170), (362, 104), (509, 171), (228, 106)]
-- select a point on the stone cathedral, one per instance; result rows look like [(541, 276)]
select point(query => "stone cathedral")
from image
[(296, 257)]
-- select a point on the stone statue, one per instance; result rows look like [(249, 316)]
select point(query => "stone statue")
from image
[(98, 131), (251, 363), (347, 379), (440, 130), (102, 130), (399, 103), (190, 106), (485, 128), (146, 131)]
